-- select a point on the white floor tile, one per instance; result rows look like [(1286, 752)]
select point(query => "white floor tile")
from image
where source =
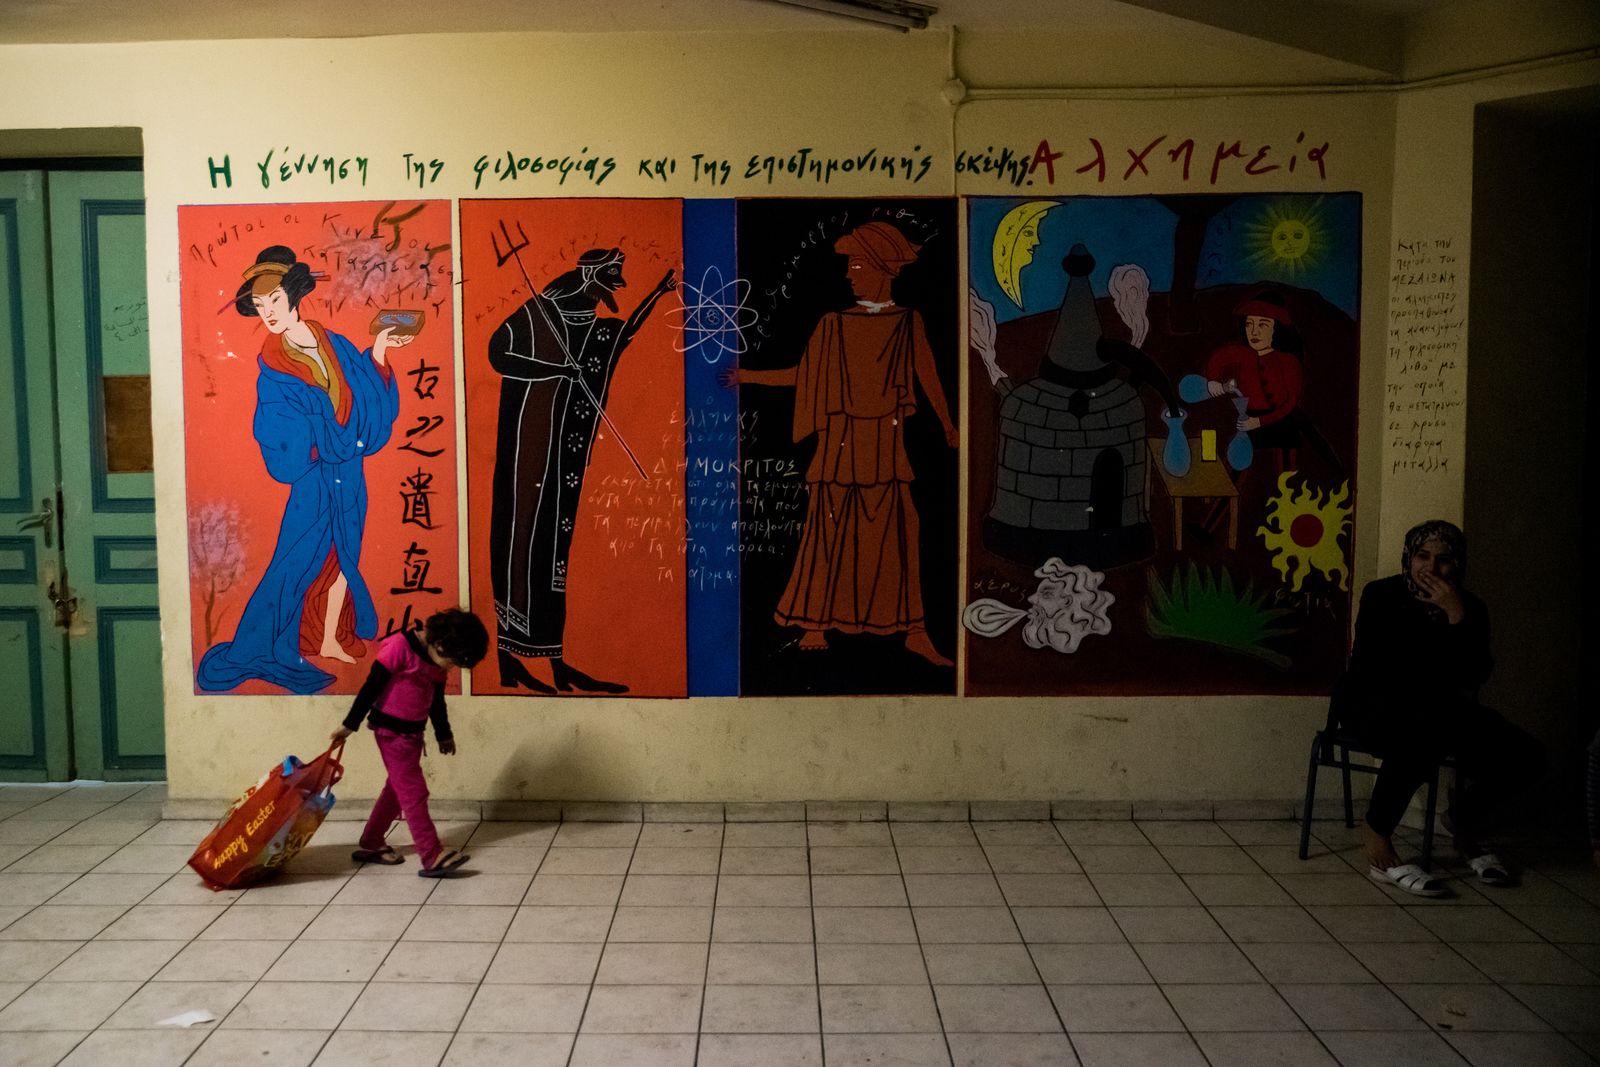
[(912, 944)]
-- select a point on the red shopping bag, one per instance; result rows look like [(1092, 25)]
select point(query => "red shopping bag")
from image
[(270, 823)]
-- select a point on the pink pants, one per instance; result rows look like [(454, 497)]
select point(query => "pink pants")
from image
[(405, 793)]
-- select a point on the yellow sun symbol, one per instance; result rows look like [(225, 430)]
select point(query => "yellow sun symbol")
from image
[(1302, 532), (1287, 237)]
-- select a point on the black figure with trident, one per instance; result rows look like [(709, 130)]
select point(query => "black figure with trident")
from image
[(556, 358)]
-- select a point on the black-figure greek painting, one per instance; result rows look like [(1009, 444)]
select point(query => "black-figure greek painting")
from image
[(575, 444)]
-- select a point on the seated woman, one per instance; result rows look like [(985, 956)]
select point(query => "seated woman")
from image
[(1421, 651)]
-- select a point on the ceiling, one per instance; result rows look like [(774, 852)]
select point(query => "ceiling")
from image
[(1378, 41), (86, 21)]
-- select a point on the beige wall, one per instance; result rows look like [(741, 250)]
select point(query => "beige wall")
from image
[(1433, 163), (634, 96)]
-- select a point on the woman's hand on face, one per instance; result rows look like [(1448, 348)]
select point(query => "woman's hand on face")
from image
[(1442, 595)]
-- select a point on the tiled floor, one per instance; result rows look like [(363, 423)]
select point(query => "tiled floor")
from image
[(1000, 944)]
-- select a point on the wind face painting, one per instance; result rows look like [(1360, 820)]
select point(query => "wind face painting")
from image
[(319, 412), (1163, 436)]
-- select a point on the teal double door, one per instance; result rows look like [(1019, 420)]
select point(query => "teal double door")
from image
[(80, 633)]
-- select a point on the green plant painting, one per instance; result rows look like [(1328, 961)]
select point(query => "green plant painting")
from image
[(1202, 604)]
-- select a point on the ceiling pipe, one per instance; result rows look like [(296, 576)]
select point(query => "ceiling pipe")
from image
[(900, 15)]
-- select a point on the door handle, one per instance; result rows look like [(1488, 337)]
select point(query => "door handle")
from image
[(44, 519), (66, 606)]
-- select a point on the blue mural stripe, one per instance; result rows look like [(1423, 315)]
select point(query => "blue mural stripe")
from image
[(713, 299)]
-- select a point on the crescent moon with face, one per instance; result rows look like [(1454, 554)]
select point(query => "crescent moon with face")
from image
[(1014, 241)]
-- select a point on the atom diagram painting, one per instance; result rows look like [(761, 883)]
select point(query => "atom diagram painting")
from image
[(713, 317)]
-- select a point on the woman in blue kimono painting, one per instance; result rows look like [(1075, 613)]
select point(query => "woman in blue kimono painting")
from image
[(322, 407)]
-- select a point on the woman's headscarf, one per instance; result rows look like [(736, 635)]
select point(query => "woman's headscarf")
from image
[(1446, 533)]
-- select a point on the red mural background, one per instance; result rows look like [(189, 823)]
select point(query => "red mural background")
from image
[(626, 577), (374, 256)]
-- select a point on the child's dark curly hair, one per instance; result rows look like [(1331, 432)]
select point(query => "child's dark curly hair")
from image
[(459, 635)]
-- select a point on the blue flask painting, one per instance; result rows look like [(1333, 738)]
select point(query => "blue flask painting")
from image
[(1241, 451), (1175, 457)]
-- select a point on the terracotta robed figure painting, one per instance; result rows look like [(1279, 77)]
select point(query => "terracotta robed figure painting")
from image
[(864, 392)]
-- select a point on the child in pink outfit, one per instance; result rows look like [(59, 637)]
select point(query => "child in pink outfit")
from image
[(402, 693)]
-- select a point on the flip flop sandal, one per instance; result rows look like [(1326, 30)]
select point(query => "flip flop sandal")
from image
[(444, 865), (386, 856), (1409, 877), (1490, 870)]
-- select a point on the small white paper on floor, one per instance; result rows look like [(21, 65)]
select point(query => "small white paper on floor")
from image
[(189, 1018)]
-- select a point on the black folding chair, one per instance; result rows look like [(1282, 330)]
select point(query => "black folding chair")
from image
[(1331, 747)]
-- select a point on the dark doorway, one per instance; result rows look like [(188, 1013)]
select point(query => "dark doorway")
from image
[(1529, 506)]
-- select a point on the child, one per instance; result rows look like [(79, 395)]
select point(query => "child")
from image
[(404, 691)]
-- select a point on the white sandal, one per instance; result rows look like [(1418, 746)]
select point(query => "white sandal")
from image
[(1409, 877), (1490, 870)]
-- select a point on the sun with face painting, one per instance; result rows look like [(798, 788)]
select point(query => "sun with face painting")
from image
[(1287, 238), (1302, 532)]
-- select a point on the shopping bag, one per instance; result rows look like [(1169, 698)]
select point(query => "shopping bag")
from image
[(270, 822)]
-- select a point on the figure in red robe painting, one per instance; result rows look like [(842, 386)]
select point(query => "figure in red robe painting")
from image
[(1266, 371), (857, 569)]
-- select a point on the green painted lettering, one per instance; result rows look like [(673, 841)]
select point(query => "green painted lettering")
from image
[(226, 170)]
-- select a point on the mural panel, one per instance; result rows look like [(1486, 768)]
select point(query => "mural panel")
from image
[(1163, 435), (575, 443), (318, 371), (848, 449)]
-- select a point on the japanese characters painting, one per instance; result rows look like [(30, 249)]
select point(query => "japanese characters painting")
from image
[(319, 411), (1163, 441)]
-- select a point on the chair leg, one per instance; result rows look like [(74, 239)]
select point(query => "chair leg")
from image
[(1311, 797), (1349, 805), (1432, 806)]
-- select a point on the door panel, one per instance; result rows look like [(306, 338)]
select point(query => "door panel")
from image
[(34, 739), (129, 641), (23, 742), (102, 382)]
